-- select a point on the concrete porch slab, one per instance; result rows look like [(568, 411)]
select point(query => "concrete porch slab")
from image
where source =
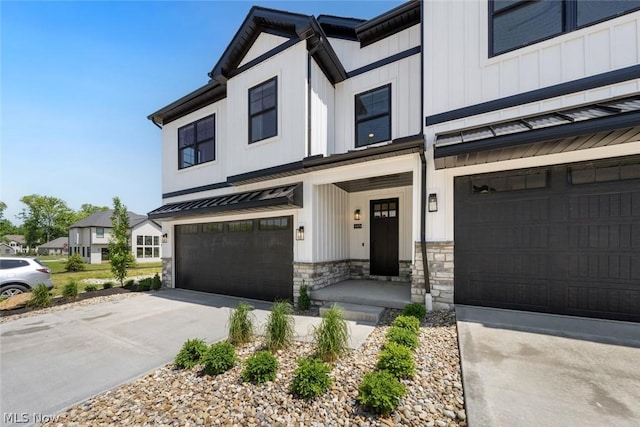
[(365, 292), (358, 313)]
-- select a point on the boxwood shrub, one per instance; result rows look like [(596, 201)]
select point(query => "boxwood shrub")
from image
[(311, 378), (397, 359), (191, 354), (416, 310), (219, 358), (407, 322), (260, 368), (380, 392), (403, 337)]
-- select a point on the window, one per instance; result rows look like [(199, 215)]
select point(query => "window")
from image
[(514, 24), (240, 226), (373, 116), (196, 142), (263, 111), (99, 232), (147, 247), (274, 224), (518, 181)]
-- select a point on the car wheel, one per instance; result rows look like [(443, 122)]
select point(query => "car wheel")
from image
[(11, 290)]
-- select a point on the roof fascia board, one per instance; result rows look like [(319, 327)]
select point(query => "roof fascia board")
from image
[(365, 30)]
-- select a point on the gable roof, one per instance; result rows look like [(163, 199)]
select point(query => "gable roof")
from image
[(60, 242), (103, 219), (16, 238)]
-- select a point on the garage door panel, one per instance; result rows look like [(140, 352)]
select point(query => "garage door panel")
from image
[(565, 247)]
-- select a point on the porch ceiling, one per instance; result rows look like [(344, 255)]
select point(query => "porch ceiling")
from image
[(377, 182)]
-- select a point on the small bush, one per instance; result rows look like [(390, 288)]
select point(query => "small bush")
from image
[(380, 392), (144, 285), (191, 354), (311, 378), (129, 282), (90, 288), (219, 358), (70, 290), (279, 329), (107, 285), (260, 368), (398, 360), (407, 322), (240, 324), (331, 335), (416, 310), (304, 302), (403, 337), (41, 297), (156, 283), (75, 263)]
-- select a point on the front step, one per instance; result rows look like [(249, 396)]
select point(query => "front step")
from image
[(356, 312)]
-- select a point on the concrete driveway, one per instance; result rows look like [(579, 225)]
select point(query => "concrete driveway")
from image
[(51, 361), (527, 369)]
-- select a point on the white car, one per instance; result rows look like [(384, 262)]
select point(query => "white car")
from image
[(21, 274)]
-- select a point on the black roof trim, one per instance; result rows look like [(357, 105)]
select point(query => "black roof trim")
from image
[(283, 170), (201, 97), (339, 27), (323, 52), (385, 61), (397, 19), (207, 187), (289, 195)]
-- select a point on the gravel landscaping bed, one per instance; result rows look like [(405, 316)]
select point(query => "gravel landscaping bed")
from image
[(186, 398)]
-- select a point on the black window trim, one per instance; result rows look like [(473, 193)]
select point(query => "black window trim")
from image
[(196, 142), (569, 22), (274, 108), (357, 122)]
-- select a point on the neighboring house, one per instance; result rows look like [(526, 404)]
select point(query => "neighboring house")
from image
[(59, 246), (6, 249), (90, 237), (300, 161), (17, 243), (533, 148)]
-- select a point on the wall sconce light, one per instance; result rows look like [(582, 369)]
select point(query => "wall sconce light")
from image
[(356, 215), (165, 238), (433, 202), (300, 233)]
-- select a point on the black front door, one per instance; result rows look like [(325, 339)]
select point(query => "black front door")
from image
[(384, 237)]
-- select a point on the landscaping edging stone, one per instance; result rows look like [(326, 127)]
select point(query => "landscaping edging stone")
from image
[(187, 398)]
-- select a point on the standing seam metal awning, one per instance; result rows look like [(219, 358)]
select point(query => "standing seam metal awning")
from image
[(283, 196)]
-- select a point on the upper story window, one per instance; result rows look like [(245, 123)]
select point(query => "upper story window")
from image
[(514, 24), (373, 116), (196, 142), (99, 232), (263, 110)]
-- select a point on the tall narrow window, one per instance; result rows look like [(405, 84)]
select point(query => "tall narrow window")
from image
[(373, 116), (263, 110), (196, 142)]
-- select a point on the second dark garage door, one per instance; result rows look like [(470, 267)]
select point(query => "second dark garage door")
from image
[(562, 239), (250, 258)]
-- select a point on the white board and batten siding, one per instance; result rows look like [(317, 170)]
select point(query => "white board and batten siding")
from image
[(263, 44), (322, 112), (330, 227), (459, 72)]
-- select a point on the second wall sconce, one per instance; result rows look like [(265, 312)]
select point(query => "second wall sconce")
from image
[(356, 215)]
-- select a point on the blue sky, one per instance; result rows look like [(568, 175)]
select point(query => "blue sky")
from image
[(79, 78)]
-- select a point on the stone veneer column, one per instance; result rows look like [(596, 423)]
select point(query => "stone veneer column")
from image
[(166, 273), (440, 264), (418, 288)]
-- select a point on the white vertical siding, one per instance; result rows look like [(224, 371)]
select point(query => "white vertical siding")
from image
[(263, 44), (330, 226), (322, 112)]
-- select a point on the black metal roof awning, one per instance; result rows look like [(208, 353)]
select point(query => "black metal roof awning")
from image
[(286, 196), (593, 125)]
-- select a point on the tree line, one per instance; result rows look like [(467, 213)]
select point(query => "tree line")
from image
[(44, 218)]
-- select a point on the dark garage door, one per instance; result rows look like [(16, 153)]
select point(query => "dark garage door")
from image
[(561, 239), (250, 259)]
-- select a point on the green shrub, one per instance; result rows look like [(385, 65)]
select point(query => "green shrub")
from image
[(407, 322), (380, 392), (144, 285), (90, 288), (191, 354), (219, 358), (156, 283), (279, 328), (260, 368), (70, 290), (41, 297), (331, 335), (240, 324), (403, 337), (304, 302), (311, 378), (107, 285), (129, 282), (75, 263), (416, 310), (397, 359)]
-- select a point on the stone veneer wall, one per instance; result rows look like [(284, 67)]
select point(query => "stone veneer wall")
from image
[(440, 262), (360, 269), (317, 275), (166, 273), (418, 287)]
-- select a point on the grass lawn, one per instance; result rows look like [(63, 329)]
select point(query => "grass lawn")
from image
[(93, 271)]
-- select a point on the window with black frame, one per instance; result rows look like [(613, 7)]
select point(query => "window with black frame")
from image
[(196, 142), (263, 110), (373, 116), (514, 24)]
